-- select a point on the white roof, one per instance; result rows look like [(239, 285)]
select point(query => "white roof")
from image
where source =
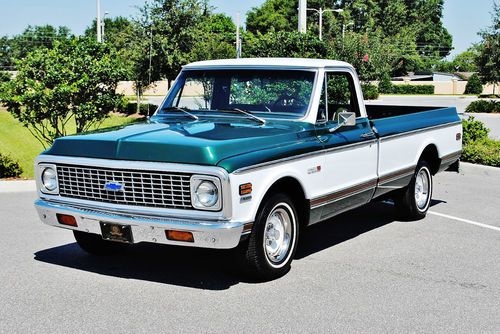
[(268, 62)]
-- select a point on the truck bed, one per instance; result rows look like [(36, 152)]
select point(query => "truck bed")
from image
[(381, 111)]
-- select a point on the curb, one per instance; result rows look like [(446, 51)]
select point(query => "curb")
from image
[(17, 186)]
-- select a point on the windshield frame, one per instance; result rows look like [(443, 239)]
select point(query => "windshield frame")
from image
[(174, 89)]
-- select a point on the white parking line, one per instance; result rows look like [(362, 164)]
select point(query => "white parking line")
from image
[(465, 221)]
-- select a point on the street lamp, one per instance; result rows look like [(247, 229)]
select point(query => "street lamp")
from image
[(320, 11), (102, 26)]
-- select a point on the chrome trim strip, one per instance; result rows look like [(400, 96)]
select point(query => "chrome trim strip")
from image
[(302, 156), (225, 213), (412, 132), (343, 193)]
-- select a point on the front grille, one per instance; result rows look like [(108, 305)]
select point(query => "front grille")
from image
[(140, 188)]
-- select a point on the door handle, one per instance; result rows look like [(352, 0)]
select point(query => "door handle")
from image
[(368, 135)]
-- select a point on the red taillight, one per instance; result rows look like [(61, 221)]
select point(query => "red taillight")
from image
[(67, 220), (179, 236)]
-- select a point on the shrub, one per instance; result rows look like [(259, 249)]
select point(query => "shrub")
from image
[(413, 89), (484, 152), (473, 131), (483, 106), (9, 167), (146, 109), (385, 85), (370, 92), (474, 85)]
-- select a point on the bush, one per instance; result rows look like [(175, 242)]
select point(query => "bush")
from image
[(483, 106), (385, 85), (413, 89), (9, 167), (146, 109), (474, 85), (484, 152), (473, 131), (370, 92)]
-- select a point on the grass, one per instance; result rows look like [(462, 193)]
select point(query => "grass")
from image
[(17, 142)]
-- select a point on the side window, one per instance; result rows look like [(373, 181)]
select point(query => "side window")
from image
[(341, 94)]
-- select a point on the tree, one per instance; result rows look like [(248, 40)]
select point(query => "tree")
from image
[(463, 62), (385, 84), (474, 85), (37, 37), (72, 84), (285, 44), (488, 60)]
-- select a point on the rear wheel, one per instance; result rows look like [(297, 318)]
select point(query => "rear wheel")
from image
[(273, 241), (96, 245), (414, 200)]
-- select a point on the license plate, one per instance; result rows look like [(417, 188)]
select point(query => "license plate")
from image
[(116, 232)]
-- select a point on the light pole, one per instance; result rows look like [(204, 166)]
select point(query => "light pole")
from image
[(238, 39), (98, 21), (103, 37), (320, 12)]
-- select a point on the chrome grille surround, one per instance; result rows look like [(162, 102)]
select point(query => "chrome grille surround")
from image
[(144, 188)]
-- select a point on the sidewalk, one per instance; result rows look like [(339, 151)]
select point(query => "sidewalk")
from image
[(17, 186)]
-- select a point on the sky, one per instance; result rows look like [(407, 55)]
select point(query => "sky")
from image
[(463, 18)]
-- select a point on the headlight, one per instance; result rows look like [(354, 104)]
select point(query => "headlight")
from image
[(49, 179), (205, 193)]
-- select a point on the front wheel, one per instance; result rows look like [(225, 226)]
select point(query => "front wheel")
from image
[(414, 200), (273, 241)]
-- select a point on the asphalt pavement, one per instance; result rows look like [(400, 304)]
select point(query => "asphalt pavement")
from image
[(361, 272)]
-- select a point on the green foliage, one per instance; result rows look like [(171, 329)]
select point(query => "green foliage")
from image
[(474, 85), (5, 76), (484, 152), (9, 167), (473, 131), (370, 92), (146, 109), (385, 84), (31, 39), (488, 60), (483, 106), (412, 89), (463, 62), (284, 44), (75, 81)]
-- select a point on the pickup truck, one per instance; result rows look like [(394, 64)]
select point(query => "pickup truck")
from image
[(245, 153)]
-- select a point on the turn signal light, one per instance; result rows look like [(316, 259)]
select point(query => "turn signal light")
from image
[(179, 236), (245, 189), (66, 220)]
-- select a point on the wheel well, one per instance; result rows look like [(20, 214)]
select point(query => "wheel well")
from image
[(430, 154), (291, 187)]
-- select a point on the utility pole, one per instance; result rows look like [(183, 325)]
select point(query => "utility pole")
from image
[(238, 39), (302, 16), (98, 21)]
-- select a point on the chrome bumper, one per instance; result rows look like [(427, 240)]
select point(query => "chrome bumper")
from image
[(213, 234)]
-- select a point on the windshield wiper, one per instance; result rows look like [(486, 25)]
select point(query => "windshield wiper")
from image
[(181, 110), (247, 113)]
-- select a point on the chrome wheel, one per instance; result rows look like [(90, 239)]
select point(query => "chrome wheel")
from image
[(279, 233), (422, 188)]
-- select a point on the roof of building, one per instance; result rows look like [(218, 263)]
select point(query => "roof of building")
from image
[(268, 62)]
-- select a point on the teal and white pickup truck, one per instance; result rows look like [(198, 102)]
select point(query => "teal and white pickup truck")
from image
[(248, 153)]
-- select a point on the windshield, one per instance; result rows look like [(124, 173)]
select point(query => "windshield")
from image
[(267, 92)]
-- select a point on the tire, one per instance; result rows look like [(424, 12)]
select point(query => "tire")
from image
[(273, 241), (414, 200), (94, 244)]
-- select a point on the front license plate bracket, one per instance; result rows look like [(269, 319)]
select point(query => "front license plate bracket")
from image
[(116, 232)]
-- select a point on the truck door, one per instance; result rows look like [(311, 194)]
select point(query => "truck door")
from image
[(350, 170)]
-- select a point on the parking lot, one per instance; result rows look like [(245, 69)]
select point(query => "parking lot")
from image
[(359, 272)]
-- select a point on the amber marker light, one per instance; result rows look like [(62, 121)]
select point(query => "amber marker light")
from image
[(66, 220), (245, 189), (179, 236)]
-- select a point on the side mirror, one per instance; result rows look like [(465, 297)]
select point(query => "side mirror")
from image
[(344, 119)]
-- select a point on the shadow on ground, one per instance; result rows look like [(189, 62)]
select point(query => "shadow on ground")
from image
[(212, 269)]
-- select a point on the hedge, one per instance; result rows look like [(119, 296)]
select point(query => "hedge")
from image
[(9, 167), (370, 92), (483, 106), (477, 147), (412, 89), (146, 109)]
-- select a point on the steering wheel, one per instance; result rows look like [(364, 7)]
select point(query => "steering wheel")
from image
[(284, 97)]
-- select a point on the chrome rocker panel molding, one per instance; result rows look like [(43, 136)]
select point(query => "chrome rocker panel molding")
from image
[(224, 214), (220, 234)]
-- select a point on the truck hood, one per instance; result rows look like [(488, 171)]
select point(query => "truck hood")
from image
[(204, 142)]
